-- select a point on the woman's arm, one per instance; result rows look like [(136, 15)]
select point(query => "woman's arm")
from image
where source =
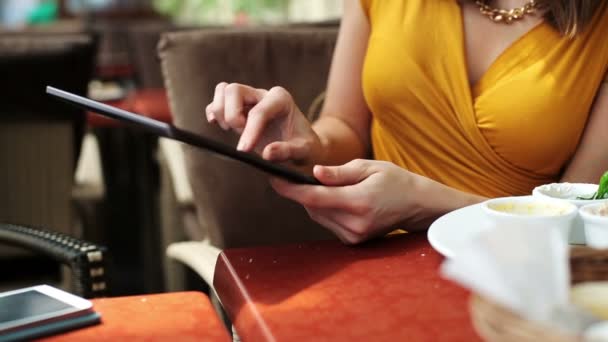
[(591, 158), (270, 122), (344, 125)]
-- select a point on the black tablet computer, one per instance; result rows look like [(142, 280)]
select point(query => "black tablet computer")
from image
[(169, 131)]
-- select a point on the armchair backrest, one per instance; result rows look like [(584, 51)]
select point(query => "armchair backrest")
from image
[(234, 202)]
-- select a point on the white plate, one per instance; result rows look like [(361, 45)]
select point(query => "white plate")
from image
[(449, 232)]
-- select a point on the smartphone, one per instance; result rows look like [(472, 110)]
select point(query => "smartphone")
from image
[(169, 131), (38, 305)]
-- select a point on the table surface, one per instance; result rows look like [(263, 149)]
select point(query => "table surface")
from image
[(386, 290), (179, 316)]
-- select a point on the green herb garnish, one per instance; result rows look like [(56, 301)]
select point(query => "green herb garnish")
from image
[(602, 190)]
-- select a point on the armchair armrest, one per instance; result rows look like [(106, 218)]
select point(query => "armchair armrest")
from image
[(86, 260)]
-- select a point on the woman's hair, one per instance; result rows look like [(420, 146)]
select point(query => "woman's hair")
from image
[(571, 17)]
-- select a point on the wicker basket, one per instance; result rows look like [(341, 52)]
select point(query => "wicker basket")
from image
[(495, 323)]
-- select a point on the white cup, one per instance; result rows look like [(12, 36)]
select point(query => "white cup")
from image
[(570, 192), (531, 212), (596, 224)]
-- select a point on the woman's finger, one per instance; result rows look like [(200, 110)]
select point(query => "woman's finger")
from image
[(344, 235), (355, 224), (281, 151), (316, 196), (275, 103), (215, 111), (238, 99), (350, 173), (209, 113)]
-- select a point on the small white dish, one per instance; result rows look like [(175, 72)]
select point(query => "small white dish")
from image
[(567, 191), (570, 192), (531, 212), (597, 332), (595, 219)]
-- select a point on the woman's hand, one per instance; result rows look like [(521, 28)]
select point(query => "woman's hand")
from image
[(363, 199), (360, 199), (268, 120)]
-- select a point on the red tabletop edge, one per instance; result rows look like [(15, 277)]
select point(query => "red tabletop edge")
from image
[(387, 290), (178, 316)]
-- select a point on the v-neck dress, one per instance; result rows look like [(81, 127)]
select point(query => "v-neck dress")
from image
[(514, 129)]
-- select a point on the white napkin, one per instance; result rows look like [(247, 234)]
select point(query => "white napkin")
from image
[(525, 269)]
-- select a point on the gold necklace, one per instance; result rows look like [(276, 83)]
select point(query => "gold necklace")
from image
[(499, 15)]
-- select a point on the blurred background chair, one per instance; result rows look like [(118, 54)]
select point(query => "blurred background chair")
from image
[(234, 203), (129, 156), (39, 137), (150, 98)]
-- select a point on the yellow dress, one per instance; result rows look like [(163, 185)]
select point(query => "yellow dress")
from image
[(513, 130)]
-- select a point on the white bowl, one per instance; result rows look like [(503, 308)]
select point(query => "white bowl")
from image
[(531, 212), (596, 224), (596, 332), (569, 192)]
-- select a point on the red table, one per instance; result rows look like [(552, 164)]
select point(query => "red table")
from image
[(186, 316), (387, 290), (150, 102)]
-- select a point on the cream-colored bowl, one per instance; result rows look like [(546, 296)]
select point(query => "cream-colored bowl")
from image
[(531, 212), (570, 192), (595, 219)]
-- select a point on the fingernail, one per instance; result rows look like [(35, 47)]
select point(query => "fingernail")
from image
[(319, 170), (241, 146), (327, 172)]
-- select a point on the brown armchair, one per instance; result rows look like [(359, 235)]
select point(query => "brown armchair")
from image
[(234, 203), (40, 138)]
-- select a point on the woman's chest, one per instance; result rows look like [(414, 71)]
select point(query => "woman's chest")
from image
[(485, 40), (522, 95)]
